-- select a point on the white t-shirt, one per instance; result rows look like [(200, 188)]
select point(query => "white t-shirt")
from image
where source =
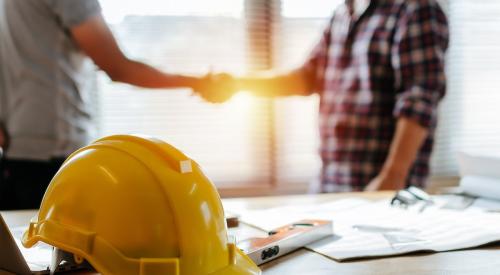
[(47, 78)]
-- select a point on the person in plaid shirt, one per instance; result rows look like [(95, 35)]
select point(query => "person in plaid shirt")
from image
[(379, 71)]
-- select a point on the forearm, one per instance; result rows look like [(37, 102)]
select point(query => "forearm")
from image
[(269, 84), (95, 39), (142, 75), (407, 140)]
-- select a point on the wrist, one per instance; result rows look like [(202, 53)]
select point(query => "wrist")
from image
[(194, 83), (241, 83)]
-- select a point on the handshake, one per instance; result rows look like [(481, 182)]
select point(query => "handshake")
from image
[(216, 88)]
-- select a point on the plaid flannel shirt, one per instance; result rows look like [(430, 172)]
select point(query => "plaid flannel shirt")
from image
[(369, 71)]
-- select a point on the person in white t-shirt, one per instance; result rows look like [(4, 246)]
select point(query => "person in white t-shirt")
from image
[(46, 48)]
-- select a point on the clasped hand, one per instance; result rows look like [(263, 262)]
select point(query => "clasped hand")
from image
[(216, 88)]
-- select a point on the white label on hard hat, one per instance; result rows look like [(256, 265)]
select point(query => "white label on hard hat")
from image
[(186, 166)]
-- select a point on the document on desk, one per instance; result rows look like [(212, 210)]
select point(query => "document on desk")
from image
[(372, 229)]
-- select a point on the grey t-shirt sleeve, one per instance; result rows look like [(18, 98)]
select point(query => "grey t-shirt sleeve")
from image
[(75, 12)]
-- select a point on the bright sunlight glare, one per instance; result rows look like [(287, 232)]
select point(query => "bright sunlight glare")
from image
[(242, 102)]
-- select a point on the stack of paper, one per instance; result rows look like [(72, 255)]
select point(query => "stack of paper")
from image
[(367, 229), (480, 176)]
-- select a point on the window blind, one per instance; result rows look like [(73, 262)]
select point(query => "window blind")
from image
[(282, 33), (228, 140), (249, 140), (469, 115), (296, 118), (261, 24)]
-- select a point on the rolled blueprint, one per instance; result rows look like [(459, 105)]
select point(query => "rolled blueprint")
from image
[(481, 186), (479, 165)]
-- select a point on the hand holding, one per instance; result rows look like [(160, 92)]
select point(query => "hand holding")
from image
[(217, 88)]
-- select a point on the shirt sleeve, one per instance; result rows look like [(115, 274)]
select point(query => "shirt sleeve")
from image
[(316, 62), (75, 12), (418, 54)]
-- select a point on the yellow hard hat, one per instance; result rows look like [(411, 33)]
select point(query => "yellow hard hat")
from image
[(132, 205)]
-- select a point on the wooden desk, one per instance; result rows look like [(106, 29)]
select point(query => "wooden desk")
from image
[(484, 260)]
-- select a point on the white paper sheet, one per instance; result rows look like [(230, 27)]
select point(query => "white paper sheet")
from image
[(480, 186), (38, 257), (488, 205), (407, 230)]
